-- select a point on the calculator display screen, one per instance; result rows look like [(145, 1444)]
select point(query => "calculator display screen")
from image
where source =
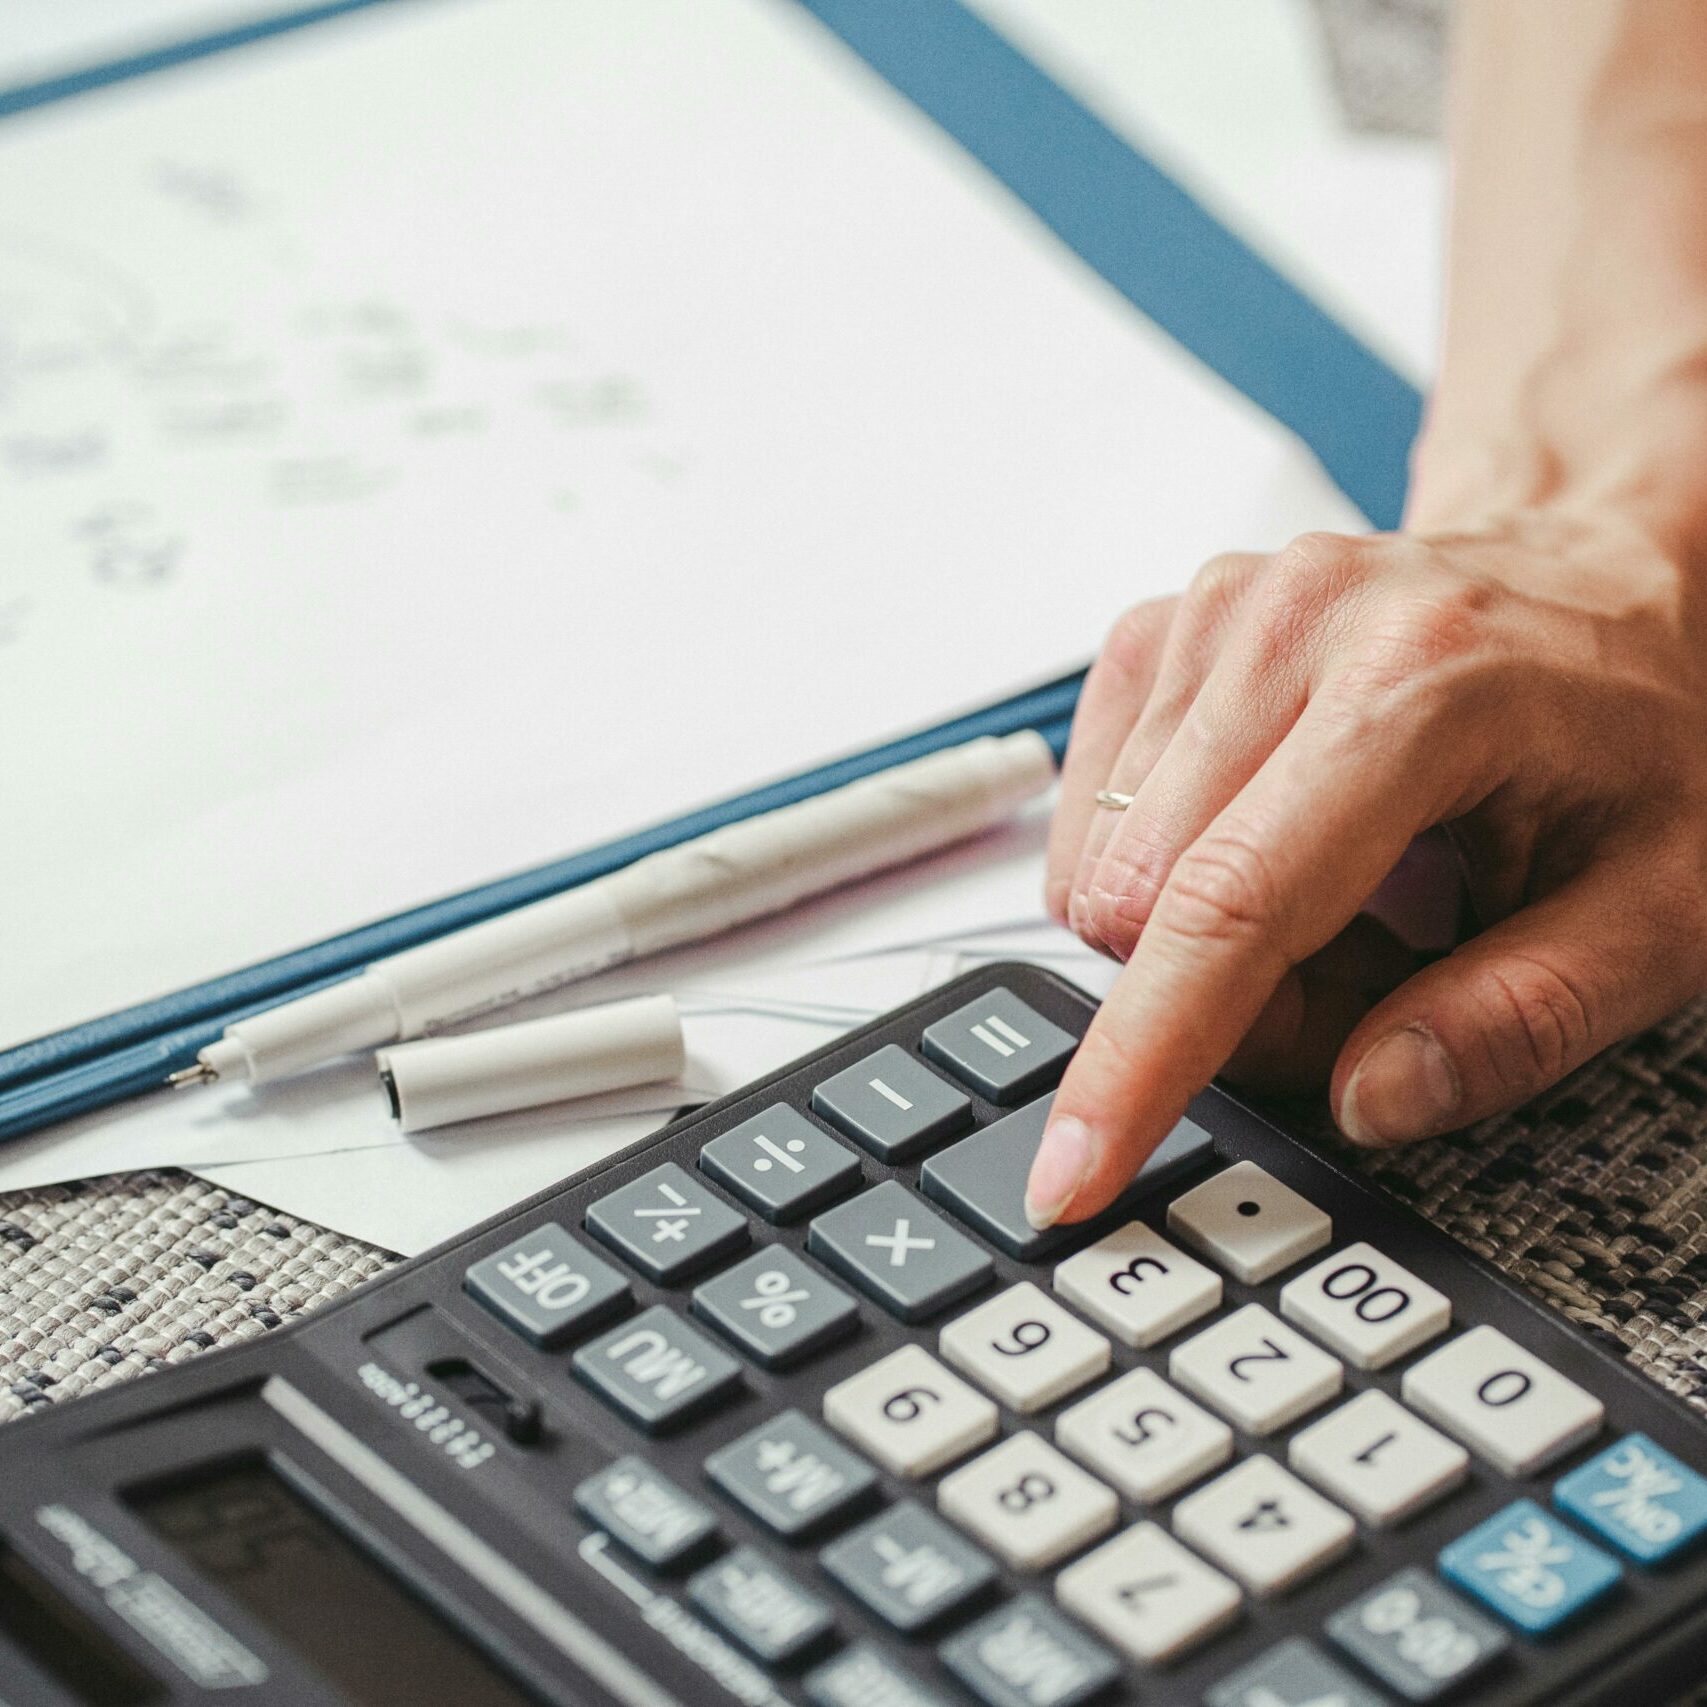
[(245, 1529)]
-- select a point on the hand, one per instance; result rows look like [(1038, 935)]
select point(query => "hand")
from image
[(1286, 728)]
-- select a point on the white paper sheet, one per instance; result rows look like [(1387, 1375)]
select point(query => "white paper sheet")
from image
[(451, 436)]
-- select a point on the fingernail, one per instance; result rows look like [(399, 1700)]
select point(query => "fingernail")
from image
[(1404, 1088), (1055, 895), (1058, 1170)]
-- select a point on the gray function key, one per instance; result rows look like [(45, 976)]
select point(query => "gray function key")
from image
[(908, 1566), (646, 1512), (775, 1308), (892, 1104), (865, 1676), (1295, 1673), (667, 1224), (767, 1613), (1000, 1047), (1027, 1655), (546, 1287), (781, 1164), (656, 1370), (1417, 1637), (899, 1252), (982, 1178), (790, 1475)]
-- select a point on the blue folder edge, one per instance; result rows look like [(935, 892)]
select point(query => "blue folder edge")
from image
[(1106, 202)]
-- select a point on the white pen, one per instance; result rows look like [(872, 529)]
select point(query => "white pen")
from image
[(683, 894)]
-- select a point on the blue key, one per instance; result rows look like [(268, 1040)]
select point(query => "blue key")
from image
[(1529, 1568), (1638, 1497)]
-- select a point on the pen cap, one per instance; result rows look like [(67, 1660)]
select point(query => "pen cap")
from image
[(440, 1080)]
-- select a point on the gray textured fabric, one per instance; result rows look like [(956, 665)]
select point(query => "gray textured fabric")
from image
[(114, 1277)]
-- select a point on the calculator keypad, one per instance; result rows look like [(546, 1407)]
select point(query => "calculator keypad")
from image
[(1249, 1223), (981, 1179), (1638, 1497), (908, 1566), (1417, 1636), (1026, 1654), (1001, 1047), (1024, 1348), (667, 1225), (1293, 1673), (1503, 1402), (898, 1252), (1262, 1524), (865, 1676), (1041, 1437), (1381, 1460), (781, 1164), (893, 1104), (644, 1510), (1151, 1597), (791, 1476), (1145, 1437), (910, 1414), (775, 1309), (1255, 1370), (763, 1610), (1027, 1502), (1138, 1287), (1366, 1307), (656, 1370), (547, 1287), (1525, 1565)]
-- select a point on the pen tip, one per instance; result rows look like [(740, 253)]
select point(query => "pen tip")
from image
[(200, 1073)]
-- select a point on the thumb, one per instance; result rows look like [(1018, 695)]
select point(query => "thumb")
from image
[(1515, 1009)]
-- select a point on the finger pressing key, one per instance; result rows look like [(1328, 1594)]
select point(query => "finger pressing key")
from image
[(1278, 873)]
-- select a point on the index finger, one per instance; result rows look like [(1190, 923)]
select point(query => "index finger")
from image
[(1277, 874)]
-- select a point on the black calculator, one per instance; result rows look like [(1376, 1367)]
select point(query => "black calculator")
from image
[(790, 1404)]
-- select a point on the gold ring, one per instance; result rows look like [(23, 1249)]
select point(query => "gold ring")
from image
[(1115, 801)]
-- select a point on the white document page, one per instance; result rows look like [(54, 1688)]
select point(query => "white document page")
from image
[(441, 439)]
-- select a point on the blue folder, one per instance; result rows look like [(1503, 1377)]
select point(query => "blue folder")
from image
[(1107, 203)]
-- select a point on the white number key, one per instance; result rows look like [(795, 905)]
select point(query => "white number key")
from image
[(1364, 1305), (1262, 1524), (1027, 1502), (1253, 1368), (1138, 1286), (1148, 1595), (1024, 1348), (912, 1415), (1145, 1437), (1503, 1402), (1246, 1220), (1382, 1461)]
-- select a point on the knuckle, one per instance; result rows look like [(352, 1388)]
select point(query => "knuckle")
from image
[(1220, 582), (1321, 564), (1222, 889), (1538, 1013), (1133, 639), (1116, 913)]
